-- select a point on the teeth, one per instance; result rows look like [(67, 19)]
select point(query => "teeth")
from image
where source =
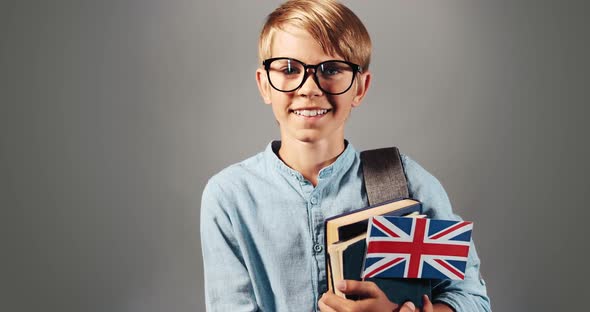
[(310, 113)]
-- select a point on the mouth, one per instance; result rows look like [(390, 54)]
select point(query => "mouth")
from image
[(310, 112)]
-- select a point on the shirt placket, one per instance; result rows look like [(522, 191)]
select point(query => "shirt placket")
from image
[(313, 198)]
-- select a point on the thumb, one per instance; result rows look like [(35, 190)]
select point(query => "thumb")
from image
[(363, 289), (426, 303), (408, 306)]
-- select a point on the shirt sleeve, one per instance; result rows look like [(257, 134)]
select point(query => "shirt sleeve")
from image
[(228, 285), (469, 294)]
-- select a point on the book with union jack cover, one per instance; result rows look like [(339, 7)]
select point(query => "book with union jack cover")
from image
[(347, 225), (399, 247), (345, 252)]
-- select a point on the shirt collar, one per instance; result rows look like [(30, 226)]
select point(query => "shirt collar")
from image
[(343, 161)]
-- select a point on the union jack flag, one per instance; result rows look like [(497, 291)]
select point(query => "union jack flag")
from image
[(417, 248)]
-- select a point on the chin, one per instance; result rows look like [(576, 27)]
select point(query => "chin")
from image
[(311, 136), (306, 136), (307, 140)]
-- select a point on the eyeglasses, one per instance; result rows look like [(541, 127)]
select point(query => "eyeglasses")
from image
[(332, 77)]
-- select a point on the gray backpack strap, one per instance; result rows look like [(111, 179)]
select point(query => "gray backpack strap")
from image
[(384, 175)]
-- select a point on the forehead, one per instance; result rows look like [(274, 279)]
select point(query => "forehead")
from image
[(298, 44)]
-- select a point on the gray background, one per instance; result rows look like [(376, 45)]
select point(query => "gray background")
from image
[(114, 114)]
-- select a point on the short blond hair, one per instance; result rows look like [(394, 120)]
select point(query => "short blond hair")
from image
[(336, 28)]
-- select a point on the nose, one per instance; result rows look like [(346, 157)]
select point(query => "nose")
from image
[(310, 87)]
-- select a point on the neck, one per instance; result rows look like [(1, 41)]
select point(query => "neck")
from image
[(309, 158)]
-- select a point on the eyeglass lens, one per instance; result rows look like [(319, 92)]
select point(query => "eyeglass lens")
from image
[(333, 76)]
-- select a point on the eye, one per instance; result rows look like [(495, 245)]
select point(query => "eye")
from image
[(332, 69), (290, 70)]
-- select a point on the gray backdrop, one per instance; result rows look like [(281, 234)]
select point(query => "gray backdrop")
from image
[(114, 114)]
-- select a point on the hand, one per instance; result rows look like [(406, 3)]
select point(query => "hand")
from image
[(373, 300)]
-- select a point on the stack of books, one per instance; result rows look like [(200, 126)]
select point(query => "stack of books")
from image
[(394, 246)]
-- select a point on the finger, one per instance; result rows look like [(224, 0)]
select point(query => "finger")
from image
[(334, 302), (426, 304), (323, 306), (364, 289), (408, 306)]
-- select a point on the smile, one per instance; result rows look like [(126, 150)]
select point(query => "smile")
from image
[(311, 112)]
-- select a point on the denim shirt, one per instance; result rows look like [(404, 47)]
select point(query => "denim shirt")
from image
[(262, 233)]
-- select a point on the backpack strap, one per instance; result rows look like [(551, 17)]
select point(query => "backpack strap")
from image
[(384, 176)]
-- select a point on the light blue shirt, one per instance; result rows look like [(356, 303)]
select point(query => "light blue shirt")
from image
[(262, 233)]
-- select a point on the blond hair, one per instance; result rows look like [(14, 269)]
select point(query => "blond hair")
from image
[(336, 28)]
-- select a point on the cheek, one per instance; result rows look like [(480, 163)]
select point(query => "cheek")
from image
[(341, 103), (280, 101)]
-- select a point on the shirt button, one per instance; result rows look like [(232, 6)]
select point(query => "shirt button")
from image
[(317, 248), (314, 200)]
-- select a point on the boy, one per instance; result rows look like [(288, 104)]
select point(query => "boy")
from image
[(262, 219)]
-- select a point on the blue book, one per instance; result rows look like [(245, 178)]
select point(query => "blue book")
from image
[(345, 250), (398, 290)]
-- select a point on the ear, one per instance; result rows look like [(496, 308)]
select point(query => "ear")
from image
[(363, 83), (263, 85)]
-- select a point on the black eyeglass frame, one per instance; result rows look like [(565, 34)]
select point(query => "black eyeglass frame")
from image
[(355, 68)]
